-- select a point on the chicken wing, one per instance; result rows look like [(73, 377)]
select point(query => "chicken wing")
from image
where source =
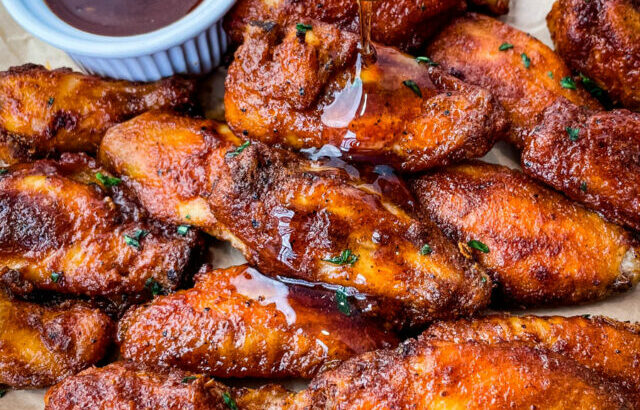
[(400, 23), (236, 322), (46, 111), (604, 345), (524, 74), (601, 38), (303, 90), (539, 247), (67, 226), (42, 345), (433, 374), (294, 217), (593, 157)]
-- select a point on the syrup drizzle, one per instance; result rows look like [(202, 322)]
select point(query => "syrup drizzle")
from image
[(367, 50)]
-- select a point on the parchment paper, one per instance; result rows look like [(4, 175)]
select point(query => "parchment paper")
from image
[(18, 47)]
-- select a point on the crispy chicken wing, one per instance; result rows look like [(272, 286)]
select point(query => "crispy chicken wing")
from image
[(311, 89), (604, 345), (236, 322), (593, 157), (542, 248), (432, 374), (400, 23), (42, 345), (294, 217), (45, 111), (67, 226), (601, 38), (524, 74)]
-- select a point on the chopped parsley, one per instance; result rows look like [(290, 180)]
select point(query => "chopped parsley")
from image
[(345, 258), (238, 151), (183, 229), (413, 87), (106, 180), (153, 286), (583, 187), (525, 60), (478, 246), (599, 93), (505, 46), (427, 60), (4, 171), (573, 133), (301, 29), (50, 101), (426, 250), (549, 74), (134, 240), (342, 300), (55, 276), (568, 83), (228, 400), (188, 379)]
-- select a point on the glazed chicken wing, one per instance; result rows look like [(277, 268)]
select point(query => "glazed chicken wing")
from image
[(433, 374), (604, 345), (304, 90), (524, 74), (593, 157), (236, 322), (66, 226), (42, 345), (46, 111), (539, 247), (400, 23), (294, 217), (601, 38)]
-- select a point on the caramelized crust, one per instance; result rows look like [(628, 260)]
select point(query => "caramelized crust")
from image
[(543, 249), (469, 48), (601, 38), (311, 90), (236, 322), (46, 111), (604, 345), (62, 229), (42, 345), (599, 167), (432, 374), (294, 217), (400, 23)]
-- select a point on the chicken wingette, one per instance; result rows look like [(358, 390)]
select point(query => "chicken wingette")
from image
[(601, 40), (309, 89), (43, 112), (604, 345), (67, 226), (524, 74), (593, 157), (42, 345), (400, 23), (541, 248), (434, 374), (235, 322), (294, 217)]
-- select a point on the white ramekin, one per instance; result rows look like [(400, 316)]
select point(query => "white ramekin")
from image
[(194, 44)]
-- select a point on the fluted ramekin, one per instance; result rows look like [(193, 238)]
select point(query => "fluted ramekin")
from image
[(192, 45)]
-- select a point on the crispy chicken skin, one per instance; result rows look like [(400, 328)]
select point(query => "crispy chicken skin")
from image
[(469, 48), (543, 248), (294, 217), (252, 326), (42, 345), (63, 230), (598, 167), (601, 38), (405, 24), (46, 111), (432, 374), (604, 345), (308, 90)]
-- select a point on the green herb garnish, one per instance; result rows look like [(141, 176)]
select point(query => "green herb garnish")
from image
[(567, 82), (238, 150), (426, 250), (301, 28), (345, 258), (153, 286), (413, 87), (427, 60), (183, 229), (478, 245), (573, 133), (4, 171), (549, 74), (55, 276), (583, 187), (134, 243), (525, 60), (107, 180), (599, 93), (50, 101), (228, 400), (505, 46), (343, 301), (188, 379)]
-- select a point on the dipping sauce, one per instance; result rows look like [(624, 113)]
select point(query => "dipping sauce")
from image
[(121, 17)]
